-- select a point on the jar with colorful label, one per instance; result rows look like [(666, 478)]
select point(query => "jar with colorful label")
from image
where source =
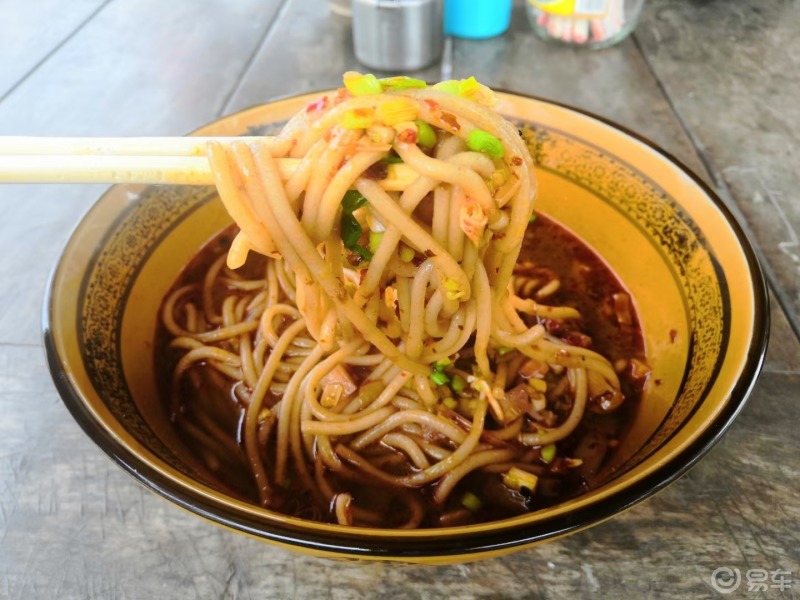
[(586, 23)]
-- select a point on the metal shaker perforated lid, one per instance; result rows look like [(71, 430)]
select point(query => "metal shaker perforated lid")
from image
[(397, 35)]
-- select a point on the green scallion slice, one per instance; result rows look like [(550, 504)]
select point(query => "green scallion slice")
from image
[(375, 238), (362, 85), (548, 453), (471, 501), (426, 136), (451, 86), (458, 385), (481, 141), (352, 201), (391, 159), (351, 230), (440, 365), (439, 378), (407, 254)]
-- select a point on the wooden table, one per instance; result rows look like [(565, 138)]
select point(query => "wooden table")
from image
[(714, 83)]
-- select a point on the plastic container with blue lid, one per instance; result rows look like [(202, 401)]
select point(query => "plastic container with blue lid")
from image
[(476, 19)]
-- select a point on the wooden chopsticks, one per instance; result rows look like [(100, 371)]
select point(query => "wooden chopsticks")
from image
[(152, 160)]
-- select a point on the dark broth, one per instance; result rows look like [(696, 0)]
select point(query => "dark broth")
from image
[(205, 401)]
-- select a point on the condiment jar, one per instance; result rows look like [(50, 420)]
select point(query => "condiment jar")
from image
[(585, 23), (397, 35)]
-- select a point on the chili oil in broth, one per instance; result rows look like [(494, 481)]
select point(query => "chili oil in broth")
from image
[(208, 414)]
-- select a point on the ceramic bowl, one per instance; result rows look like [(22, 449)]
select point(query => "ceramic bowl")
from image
[(698, 290)]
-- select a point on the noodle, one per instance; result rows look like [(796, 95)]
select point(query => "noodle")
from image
[(380, 311)]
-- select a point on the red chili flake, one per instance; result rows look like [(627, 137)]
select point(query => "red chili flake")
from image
[(576, 338), (320, 104), (516, 161), (552, 326), (407, 136), (432, 104), (451, 120), (341, 95), (673, 333)]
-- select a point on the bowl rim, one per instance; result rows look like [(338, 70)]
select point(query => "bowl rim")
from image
[(370, 546)]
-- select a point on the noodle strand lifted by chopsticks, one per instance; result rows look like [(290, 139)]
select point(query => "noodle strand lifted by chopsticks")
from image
[(352, 346)]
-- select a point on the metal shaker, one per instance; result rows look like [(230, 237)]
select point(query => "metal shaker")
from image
[(397, 35)]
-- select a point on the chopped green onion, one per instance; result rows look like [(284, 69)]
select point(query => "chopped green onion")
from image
[(533, 218), (362, 252), (397, 111), (402, 83), (439, 378), (391, 159), (375, 238), (439, 365), (358, 118), (468, 87), (458, 384), (471, 501), (450, 403), (538, 384), (361, 85), (453, 290), (548, 453), (517, 479), (448, 87), (481, 141), (352, 201), (351, 231), (503, 350), (407, 254), (426, 136)]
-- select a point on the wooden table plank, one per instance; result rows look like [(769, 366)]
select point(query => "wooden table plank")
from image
[(138, 68), (731, 71), (36, 222), (615, 83), (310, 51), (30, 31), (783, 354), (146, 67)]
